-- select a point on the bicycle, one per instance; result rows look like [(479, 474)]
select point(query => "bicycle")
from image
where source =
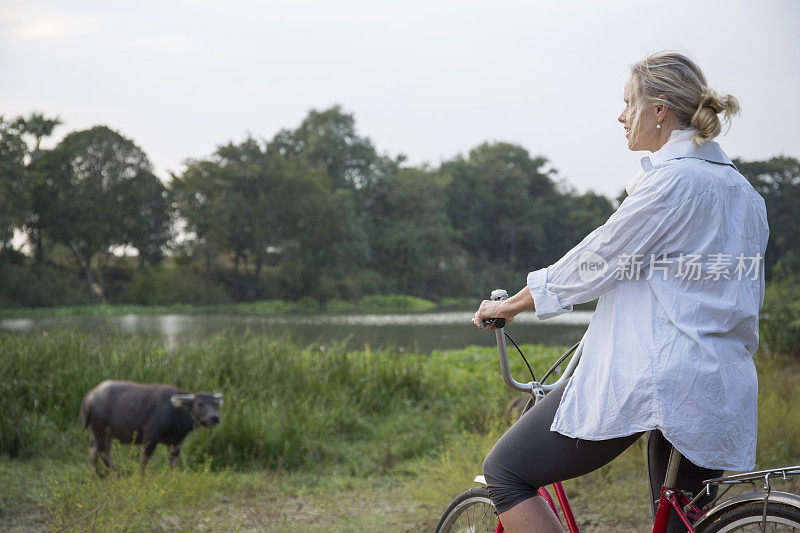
[(473, 510)]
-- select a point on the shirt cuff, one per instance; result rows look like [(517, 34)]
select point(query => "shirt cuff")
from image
[(545, 301)]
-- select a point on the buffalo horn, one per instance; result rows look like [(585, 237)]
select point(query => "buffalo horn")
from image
[(179, 399)]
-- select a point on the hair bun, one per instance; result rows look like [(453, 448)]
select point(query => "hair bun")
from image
[(705, 119), (709, 98)]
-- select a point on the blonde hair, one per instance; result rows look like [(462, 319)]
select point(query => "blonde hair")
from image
[(684, 89)]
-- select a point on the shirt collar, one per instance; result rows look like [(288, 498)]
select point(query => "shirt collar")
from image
[(680, 145)]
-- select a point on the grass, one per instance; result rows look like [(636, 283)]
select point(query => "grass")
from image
[(54, 495), (285, 406), (311, 439)]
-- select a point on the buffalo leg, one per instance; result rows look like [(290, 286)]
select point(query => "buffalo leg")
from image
[(93, 453), (102, 441), (174, 455), (147, 451)]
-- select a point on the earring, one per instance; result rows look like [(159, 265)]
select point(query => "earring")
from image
[(658, 126)]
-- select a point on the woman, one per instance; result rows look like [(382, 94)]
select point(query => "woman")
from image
[(678, 271)]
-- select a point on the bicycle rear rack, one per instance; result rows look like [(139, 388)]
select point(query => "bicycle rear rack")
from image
[(751, 478)]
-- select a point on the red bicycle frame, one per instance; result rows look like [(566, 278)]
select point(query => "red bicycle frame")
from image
[(674, 499), (670, 499)]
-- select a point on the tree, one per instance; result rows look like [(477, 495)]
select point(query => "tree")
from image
[(37, 126), (328, 140), (96, 192), (146, 218), (503, 204), (198, 197), (778, 181), (266, 208), (412, 237), (17, 179), (580, 215), (13, 192), (330, 250)]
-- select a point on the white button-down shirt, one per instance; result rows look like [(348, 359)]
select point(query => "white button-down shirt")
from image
[(678, 269)]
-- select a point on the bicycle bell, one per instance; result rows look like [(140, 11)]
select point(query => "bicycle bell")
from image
[(498, 295)]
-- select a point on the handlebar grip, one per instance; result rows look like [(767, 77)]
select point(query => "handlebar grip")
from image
[(496, 322), (497, 295)]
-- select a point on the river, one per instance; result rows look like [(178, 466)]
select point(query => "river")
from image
[(421, 332)]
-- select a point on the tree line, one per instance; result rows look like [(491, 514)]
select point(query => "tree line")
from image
[(315, 211)]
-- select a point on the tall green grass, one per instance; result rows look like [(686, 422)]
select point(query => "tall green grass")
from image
[(284, 406), (288, 406), (312, 438), (779, 328)]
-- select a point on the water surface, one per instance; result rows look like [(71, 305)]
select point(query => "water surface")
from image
[(409, 332)]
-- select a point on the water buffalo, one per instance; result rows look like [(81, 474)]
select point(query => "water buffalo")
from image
[(144, 414)]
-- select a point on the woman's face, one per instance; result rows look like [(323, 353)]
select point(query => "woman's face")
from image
[(645, 135)]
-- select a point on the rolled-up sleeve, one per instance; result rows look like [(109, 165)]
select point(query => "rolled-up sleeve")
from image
[(638, 229), (547, 304)]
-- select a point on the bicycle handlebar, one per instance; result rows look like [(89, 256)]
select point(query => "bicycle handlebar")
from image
[(533, 387)]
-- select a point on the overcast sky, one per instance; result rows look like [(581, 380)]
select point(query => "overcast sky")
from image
[(428, 79)]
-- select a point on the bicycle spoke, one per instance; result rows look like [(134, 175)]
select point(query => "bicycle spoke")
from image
[(474, 514)]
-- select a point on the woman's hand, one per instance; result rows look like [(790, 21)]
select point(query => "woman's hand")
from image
[(507, 309), (490, 309)]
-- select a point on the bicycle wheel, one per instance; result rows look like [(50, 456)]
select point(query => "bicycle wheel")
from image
[(472, 511), (747, 517)]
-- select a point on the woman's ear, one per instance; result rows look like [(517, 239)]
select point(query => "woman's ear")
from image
[(661, 109)]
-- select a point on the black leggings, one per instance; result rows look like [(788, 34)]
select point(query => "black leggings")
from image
[(529, 456)]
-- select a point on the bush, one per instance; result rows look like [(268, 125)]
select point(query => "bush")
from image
[(39, 285), (780, 316), (166, 286), (350, 285), (306, 304), (264, 307), (394, 303), (339, 306), (460, 304)]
